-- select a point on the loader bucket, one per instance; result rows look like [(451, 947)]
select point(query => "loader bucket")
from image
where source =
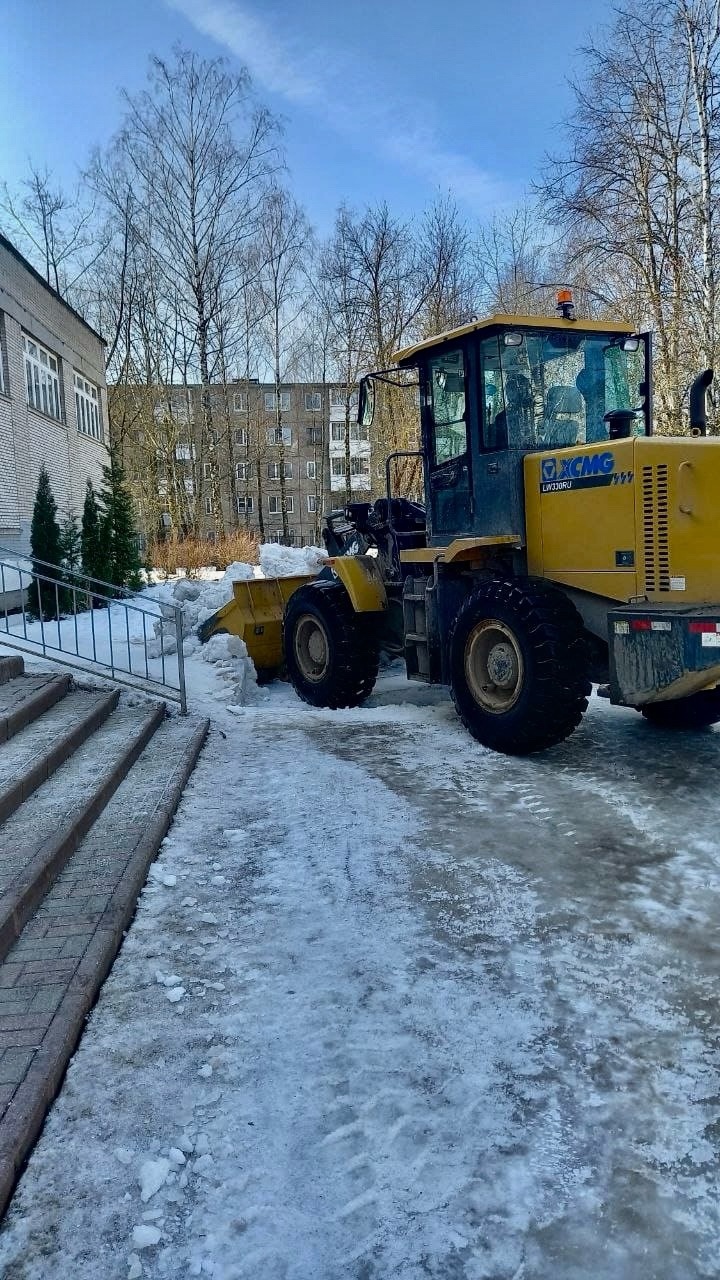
[(255, 614)]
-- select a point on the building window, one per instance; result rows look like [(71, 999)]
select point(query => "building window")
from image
[(243, 470), (279, 435), (179, 410), (357, 433), (275, 505), (87, 407), (3, 385), (283, 399), (207, 470), (162, 488), (313, 401), (359, 466), (185, 452), (312, 503), (311, 470), (241, 437), (337, 467), (339, 398), (244, 506), (313, 435), (240, 401), (277, 536), (42, 378), (189, 486), (276, 469), (208, 506)]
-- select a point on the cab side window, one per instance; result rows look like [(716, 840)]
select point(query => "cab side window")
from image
[(507, 396), (446, 374)]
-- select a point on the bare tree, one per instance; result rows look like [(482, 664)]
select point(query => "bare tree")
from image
[(57, 229), (449, 285), (283, 245), (198, 154)]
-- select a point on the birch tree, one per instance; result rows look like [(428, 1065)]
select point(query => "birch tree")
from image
[(199, 153)]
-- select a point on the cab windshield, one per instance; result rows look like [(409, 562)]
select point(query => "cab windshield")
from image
[(552, 389)]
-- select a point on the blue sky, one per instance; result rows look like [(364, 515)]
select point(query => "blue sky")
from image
[(380, 99)]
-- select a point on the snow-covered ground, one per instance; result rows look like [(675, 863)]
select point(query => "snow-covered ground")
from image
[(395, 1007)]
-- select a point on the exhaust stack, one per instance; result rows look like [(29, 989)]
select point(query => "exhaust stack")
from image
[(698, 403)]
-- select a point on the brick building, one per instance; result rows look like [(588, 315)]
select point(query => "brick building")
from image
[(178, 475), (53, 403)]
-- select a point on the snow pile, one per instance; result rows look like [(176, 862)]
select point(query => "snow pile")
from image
[(200, 599), (285, 562)]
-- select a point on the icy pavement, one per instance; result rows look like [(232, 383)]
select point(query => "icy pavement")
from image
[(396, 1007)]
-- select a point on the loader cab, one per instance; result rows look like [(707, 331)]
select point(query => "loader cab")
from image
[(498, 389)]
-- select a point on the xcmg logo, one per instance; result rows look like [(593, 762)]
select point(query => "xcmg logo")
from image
[(583, 471)]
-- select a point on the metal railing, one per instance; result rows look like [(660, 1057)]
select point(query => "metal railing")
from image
[(91, 625)]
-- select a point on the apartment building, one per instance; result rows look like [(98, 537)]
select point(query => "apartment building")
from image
[(53, 399), (259, 451)]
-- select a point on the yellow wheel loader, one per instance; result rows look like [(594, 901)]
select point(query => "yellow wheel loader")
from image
[(559, 543)]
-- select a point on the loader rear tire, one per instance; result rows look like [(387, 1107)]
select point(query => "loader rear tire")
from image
[(518, 665), (699, 711), (331, 653)]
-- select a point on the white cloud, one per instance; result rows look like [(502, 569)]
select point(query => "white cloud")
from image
[(364, 113)]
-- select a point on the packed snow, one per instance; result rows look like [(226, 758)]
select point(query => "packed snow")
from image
[(396, 1007)]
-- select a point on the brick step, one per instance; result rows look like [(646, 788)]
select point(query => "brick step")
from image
[(37, 840), (25, 698), (51, 976), (37, 751), (11, 666)]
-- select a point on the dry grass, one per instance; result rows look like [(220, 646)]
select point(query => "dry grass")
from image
[(192, 554)]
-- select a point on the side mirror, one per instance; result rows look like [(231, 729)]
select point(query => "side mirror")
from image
[(630, 344), (366, 402)]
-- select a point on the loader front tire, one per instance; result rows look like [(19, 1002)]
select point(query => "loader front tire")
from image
[(518, 665), (331, 653), (698, 711)]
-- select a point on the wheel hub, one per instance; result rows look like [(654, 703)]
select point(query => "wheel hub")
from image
[(312, 650), (502, 665), (494, 667)]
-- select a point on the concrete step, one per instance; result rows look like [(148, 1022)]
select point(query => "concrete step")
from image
[(10, 666), (51, 976), (38, 750), (25, 698), (37, 840)]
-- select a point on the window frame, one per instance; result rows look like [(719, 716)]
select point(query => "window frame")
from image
[(87, 407), (311, 469), (4, 379), (272, 439), (315, 404), (48, 379), (248, 504), (271, 401), (277, 499)]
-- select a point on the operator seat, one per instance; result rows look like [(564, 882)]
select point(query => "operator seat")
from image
[(564, 412)]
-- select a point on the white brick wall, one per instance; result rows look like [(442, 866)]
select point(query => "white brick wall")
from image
[(27, 437)]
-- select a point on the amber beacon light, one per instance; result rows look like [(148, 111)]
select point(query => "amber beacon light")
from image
[(565, 304)]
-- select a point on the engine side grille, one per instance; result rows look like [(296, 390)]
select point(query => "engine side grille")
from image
[(656, 538)]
